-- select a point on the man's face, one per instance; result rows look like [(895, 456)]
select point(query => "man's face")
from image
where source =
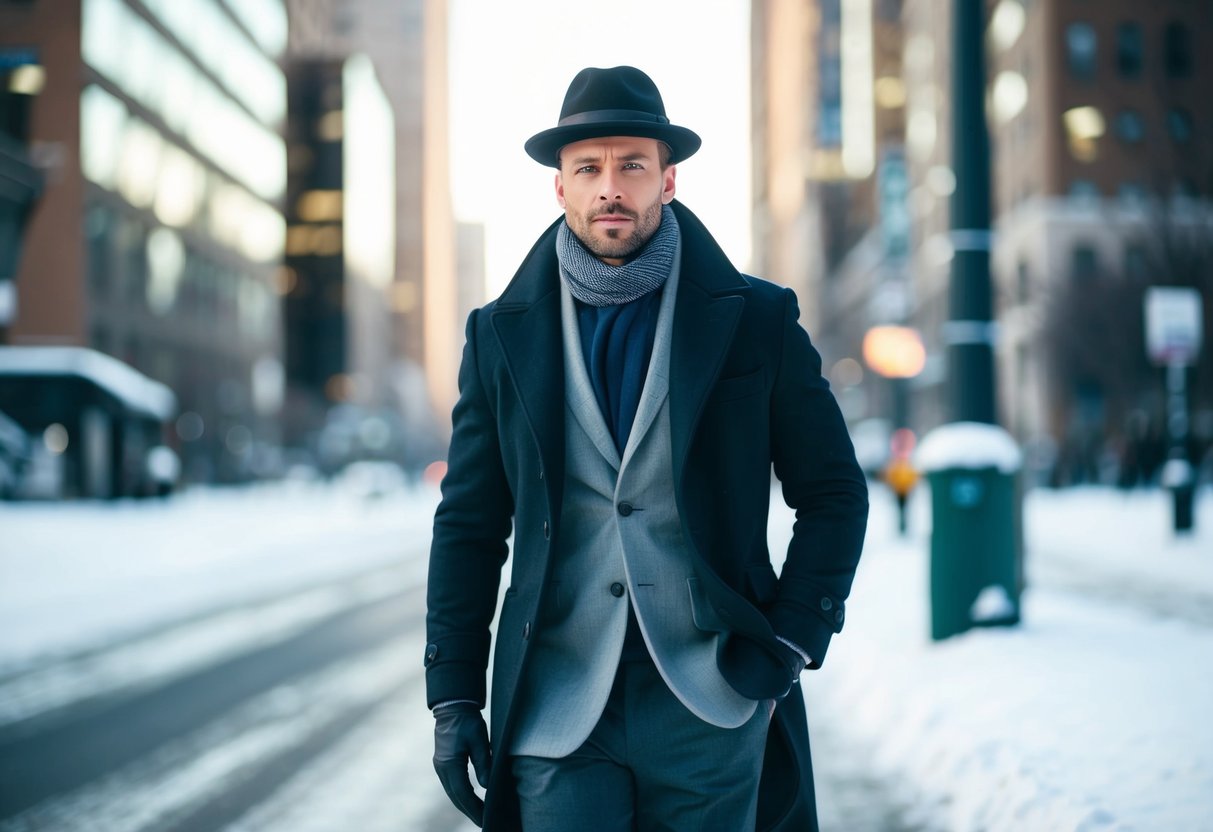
[(612, 191)]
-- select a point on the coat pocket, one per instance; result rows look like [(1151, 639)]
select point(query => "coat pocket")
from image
[(702, 612)]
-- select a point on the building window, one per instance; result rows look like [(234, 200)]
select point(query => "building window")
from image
[(1177, 51), (1081, 49), (1128, 50), (1135, 260), (100, 339), (1083, 263), (1129, 126), (1179, 124), (97, 233), (1084, 127)]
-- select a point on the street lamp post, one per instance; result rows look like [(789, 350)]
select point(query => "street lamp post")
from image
[(969, 333), (971, 463)]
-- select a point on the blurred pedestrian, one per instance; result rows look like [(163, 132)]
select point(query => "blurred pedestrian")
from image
[(621, 406), (900, 473), (901, 477)]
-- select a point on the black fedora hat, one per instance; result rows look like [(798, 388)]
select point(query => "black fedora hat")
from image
[(621, 101)]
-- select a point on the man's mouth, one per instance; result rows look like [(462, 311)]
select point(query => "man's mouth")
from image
[(613, 216)]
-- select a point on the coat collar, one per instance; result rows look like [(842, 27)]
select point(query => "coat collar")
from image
[(526, 319)]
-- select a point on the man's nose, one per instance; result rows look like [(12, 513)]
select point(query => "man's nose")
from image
[(609, 190)]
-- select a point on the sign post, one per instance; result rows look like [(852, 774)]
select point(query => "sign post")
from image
[(1173, 336)]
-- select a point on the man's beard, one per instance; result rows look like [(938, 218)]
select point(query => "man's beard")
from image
[(644, 226)]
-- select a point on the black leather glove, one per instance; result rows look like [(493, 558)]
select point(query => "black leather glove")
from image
[(459, 735)]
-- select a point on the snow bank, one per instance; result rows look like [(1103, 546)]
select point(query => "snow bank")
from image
[(1091, 716), (77, 575)]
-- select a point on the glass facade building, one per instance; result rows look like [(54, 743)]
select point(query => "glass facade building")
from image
[(162, 223)]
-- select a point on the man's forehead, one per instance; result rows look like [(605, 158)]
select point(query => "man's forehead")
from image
[(597, 148)]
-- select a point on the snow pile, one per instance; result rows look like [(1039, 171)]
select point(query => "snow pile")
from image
[(1090, 716), (968, 445)]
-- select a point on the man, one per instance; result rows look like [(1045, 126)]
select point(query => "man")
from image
[(621, 406)]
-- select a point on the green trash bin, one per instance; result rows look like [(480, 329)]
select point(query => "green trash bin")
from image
[(975, 580)]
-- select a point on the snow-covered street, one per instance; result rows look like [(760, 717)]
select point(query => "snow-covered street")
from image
[(251, 658)]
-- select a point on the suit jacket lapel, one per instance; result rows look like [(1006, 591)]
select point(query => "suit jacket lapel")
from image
[(657, 379), (579, 389)]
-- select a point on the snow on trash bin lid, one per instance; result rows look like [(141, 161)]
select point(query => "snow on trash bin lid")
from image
[(968, 445)]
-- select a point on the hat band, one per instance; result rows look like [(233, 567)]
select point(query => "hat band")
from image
[(592, 116)]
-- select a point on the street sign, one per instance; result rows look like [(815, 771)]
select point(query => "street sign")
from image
[(1173, 324)]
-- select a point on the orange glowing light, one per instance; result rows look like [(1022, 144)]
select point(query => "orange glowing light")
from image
[(894, 351)]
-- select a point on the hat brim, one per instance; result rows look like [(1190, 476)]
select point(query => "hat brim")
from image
[(544, 147)]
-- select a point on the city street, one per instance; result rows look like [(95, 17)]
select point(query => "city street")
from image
[(248, 661), (269, 267), (299, 708), (302, 709)]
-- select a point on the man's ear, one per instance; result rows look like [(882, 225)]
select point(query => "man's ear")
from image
[(667, 184), (559, 190)]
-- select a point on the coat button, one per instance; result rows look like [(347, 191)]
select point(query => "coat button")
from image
[(547, 531), (617, 589), (431, 653), (838, 616), (526, 630), (826, 603), (625, 509)]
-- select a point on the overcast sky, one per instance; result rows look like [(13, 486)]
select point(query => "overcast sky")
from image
[(511, 63)]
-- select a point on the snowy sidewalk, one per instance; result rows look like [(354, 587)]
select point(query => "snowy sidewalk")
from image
[(1091, 716)]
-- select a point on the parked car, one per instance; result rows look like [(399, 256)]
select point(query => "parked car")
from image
[(15, 449)]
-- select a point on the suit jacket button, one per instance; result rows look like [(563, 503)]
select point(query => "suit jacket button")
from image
[(826, 603), (617, 589), (547, 531), (625, 509), (526, 631), (838, 616), (431, 653)]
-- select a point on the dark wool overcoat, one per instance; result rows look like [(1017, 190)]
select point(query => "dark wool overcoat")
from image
[(746, 394)]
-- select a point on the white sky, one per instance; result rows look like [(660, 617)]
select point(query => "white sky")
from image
[(511, 63)]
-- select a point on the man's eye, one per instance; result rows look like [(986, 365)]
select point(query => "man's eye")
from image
[(587, 169), (633, 166)]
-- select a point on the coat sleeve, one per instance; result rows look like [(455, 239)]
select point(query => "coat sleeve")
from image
[(471, 527), (821, 480)]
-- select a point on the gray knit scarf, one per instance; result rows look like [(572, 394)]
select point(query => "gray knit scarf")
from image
[(594, 282)]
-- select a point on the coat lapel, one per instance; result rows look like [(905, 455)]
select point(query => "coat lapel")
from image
[(711, 297), (526, 319)]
